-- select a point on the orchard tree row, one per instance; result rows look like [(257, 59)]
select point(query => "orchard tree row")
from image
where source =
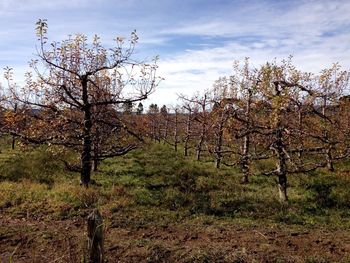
[(293, 121), (80, 95)]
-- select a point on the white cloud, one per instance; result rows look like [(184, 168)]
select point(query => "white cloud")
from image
[(316, 33), (267, 19), (196, 70)]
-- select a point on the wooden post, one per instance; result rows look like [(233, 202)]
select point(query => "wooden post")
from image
[(95, 253)]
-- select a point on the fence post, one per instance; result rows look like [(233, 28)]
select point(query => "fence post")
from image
[(95, 253)]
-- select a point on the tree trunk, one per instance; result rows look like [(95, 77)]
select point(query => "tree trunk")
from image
[(300, 127), (328, 153), (246, 141), (96, 160), (281, 165), (329, 160), (176, 131), (159, 133), (165, 136), (188, 131), (245, 165), (96, 164), (203, 121), (186, 147), (86, 158), (220, 133), (154, 128), (96, 150), (199, 150), (13, 142), (282, 187), (217, 161), (201, 141)]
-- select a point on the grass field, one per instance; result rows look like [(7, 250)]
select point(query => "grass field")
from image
[(159, 206)]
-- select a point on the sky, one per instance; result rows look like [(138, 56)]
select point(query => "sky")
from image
[(197, 41)]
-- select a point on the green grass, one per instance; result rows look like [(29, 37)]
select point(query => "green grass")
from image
[(158, 186)]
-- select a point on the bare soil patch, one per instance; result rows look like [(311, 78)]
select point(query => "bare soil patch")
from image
[(48, 240)]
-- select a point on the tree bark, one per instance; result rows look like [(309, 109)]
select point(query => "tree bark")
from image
[(188, 131), (86, 157), (281, 166), (245, 160), (96, 150), (300, 127), (329, 160), (165, 136), (328, 152), (246, 141), (13, 142), (201, 139), (96, 160), (203, 121), (176, 131), (219, 135), (199, 150), (282, 187)]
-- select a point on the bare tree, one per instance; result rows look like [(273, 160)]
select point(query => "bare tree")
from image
[(202, 118), (189, 110), (289, 94), (331, 84), (154, 122), (176, 129), (77, 80)]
